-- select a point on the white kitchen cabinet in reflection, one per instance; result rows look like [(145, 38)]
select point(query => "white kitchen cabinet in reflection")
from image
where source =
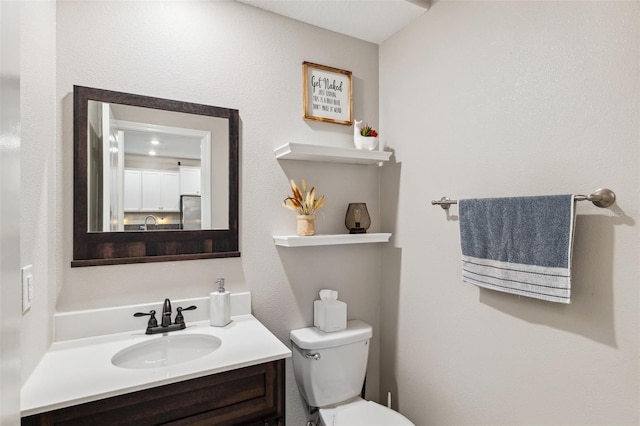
[(151, 191), (132, 190), (189, 180)]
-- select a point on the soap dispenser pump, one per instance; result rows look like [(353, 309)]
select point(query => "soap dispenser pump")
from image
[(220, 305)]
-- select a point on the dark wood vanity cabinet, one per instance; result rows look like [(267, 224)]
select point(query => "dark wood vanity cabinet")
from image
[(246, 396)]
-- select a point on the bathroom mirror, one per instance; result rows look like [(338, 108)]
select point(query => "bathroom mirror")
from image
[(154, 179)]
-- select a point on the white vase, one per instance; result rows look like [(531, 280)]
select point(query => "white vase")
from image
[(368, 143)]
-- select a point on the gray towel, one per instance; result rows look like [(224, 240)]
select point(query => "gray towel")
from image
[(519, 245)]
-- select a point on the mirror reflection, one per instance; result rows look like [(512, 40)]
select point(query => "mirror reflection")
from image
[(155, 170), (130, 206)]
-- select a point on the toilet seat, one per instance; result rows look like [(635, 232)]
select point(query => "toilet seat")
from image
[(362, 413)]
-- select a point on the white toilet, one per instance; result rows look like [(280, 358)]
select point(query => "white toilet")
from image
[(330, 370)]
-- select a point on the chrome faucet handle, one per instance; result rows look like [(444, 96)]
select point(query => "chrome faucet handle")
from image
[(179, 317), (153, 322)]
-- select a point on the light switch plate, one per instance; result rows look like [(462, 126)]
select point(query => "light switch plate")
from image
[(27, 287)]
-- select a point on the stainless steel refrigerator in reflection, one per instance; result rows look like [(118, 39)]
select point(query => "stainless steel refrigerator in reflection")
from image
[(190, 212)]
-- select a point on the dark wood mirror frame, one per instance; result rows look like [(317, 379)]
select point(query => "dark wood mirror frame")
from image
[(111, 248)]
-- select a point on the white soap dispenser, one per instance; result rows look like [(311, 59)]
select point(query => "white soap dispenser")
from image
[(220, 305)]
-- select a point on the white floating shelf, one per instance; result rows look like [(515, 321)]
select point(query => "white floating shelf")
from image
[(301, 151), (327, 240)]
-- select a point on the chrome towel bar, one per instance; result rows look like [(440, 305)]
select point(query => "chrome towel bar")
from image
[(602, 197)]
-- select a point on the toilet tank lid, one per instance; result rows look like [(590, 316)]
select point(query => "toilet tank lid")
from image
[(314, 338)]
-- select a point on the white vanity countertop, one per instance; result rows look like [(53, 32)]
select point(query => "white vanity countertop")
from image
[(77, 371)]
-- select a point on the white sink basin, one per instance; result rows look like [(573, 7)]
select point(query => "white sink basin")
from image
[(166, 351)]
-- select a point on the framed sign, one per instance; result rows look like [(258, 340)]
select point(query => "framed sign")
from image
[(327, 94)]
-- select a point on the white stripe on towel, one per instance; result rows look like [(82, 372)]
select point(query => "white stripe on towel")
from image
[(547, 283)]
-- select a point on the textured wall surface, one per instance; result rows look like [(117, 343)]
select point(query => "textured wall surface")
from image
[(484, 99), (477, 99), (10, 146), (232, 55), (38, 179)]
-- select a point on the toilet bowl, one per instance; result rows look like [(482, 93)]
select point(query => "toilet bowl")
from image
[(330, 369), (359, 412)]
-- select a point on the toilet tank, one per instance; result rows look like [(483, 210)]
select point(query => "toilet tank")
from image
[(330, 367)]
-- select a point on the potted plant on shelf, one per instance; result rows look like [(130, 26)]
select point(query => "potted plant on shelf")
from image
[(306, 205), (364, 137)]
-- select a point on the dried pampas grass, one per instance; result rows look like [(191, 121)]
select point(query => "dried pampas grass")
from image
[(303, 202)]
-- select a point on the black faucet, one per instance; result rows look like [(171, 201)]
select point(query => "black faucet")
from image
[(166, 325), (166, 313)]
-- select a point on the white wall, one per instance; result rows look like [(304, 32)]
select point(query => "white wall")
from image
[(38, 180), (477, 99), (228, 54), (9, 213), (482, 99)]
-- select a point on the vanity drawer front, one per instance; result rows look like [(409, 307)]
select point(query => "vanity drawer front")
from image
[(240, 397)]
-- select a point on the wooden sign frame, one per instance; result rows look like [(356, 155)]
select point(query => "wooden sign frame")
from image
[(327, 94)]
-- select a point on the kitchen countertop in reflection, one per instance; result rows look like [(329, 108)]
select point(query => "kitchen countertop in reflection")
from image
[(151, 227), (77, 371)]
